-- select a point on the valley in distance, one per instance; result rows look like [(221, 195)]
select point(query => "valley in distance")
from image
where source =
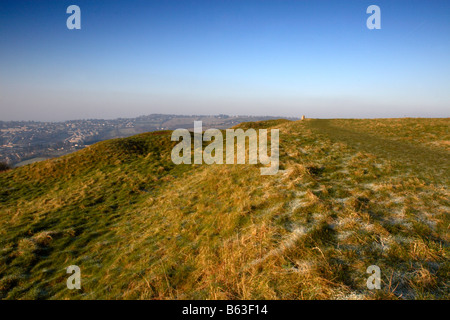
[(25, 142)]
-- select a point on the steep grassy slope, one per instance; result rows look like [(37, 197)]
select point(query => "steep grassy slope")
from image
[(140, 227)]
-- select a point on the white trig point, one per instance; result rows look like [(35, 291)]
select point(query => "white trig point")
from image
[(303, 117)]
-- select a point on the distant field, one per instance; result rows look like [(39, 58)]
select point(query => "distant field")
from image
[(419, 144), (349, 194)]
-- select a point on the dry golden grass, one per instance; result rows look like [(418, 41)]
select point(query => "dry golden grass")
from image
[(141, 228)]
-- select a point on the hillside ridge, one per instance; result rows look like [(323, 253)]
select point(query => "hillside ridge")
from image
[(141, 227)]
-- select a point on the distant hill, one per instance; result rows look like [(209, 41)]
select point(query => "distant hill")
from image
[(349, 194)]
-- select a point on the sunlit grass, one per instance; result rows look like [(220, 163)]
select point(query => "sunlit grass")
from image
[(140, 227)]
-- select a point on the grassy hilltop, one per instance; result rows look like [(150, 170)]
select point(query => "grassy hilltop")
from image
[(349, 194)]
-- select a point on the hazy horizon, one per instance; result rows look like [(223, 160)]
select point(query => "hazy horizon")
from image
[(230, 115), (254, 58)]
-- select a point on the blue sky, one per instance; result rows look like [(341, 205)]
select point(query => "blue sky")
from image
[(284, 58)]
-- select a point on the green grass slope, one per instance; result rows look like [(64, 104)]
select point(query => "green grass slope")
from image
[(349, 194)]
